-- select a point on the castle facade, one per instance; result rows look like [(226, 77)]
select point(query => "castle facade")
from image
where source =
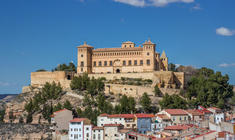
[(126, 59)]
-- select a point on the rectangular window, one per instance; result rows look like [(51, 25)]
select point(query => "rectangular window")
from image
[(94, 136), (135, 62), (100, 63), (87, 134), (105, 63), (75, 136), (124, 63), (141, 62), (94, 63), (82, 63), (81, 69), (148, 62), (129, 62), (110, 63)]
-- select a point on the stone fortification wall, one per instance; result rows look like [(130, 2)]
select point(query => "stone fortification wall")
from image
[(165, 79), (112, 76), (129, 90), (40, 78)]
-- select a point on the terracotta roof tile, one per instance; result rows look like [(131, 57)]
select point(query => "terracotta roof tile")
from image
[(145, 115), (176, 111), (98, 128), (177, 127), (118, 49), (194, 112)]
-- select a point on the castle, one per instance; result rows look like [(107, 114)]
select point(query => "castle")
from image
[(126, 59)]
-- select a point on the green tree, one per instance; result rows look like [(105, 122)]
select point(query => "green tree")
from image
[(68, 105), (210, 88), (2, 114), (145, 102), (57, 107), (29, 118), (173, 102), (76, 83), (157, 91)]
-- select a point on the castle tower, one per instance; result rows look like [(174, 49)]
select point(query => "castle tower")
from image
[(128, 44), (84, 58), (164, 61), (149, 60)]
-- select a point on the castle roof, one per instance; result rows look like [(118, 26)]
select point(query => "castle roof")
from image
[(118, 49), (85, 45), (128, 42), (163, 54), (148, 42)]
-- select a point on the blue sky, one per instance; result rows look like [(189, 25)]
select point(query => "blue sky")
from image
[(38, 34)]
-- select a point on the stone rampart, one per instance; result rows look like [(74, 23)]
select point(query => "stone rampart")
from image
[(40, 78)]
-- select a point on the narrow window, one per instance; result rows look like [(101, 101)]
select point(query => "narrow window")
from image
[(148, 62), (147, 53), (105, 63), (124, 63), (94, 63), (135, 62), (81, 69), (100, 63), (141, 62), (82, 63), (129, 63), (111, 63)]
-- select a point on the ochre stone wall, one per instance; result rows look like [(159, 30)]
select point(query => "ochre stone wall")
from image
[(129, 90), (40, 78), (169, 78)]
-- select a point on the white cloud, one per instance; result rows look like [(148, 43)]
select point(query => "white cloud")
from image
[(138, 3), (3, 84), (225, 31), (227, 65), (197, 7), (157, 3)]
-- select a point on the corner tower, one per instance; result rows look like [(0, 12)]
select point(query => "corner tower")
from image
[(149, 60), (164, 61), (84, 58)]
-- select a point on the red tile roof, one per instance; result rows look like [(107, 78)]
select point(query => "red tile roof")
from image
[(112, 125), (78, 119), (203, 134), (122, 116), (177, 127), (163, 116), (54, 113), (194, 112), (118, 115), (176, 111), (104, 115), (98, 128), (144, 115), (60, 110)]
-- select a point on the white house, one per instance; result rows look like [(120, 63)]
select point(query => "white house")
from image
[(80, 129), (97, 133), (127, 120), (217, 114)]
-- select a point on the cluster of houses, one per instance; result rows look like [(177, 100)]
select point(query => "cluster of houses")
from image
[(194, 124)]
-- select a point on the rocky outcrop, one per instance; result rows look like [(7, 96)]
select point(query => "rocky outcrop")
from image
[(25, 131)]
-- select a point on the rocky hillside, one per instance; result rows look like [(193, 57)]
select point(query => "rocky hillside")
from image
[(25, 131)]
